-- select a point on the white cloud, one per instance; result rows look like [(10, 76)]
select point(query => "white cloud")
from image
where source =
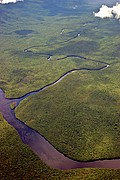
[(109, 12), (116, 11), (9, 1)]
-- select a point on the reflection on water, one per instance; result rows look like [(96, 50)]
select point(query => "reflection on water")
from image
[(40, 146), (29, 136)]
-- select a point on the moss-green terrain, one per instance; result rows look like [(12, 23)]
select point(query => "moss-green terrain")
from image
[(80, 115)]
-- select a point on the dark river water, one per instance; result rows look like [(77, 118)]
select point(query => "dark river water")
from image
[(33, 139), (38, 144)]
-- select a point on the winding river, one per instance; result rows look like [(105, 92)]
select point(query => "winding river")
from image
[(38, 144)]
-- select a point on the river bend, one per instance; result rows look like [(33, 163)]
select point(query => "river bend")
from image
[(39, 144)]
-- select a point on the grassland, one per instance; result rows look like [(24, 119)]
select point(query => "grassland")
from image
[(80, 115)]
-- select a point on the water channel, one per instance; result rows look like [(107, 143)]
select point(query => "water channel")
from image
[(39, 144)]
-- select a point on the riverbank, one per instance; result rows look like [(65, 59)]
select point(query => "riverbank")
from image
[(34, 139)]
